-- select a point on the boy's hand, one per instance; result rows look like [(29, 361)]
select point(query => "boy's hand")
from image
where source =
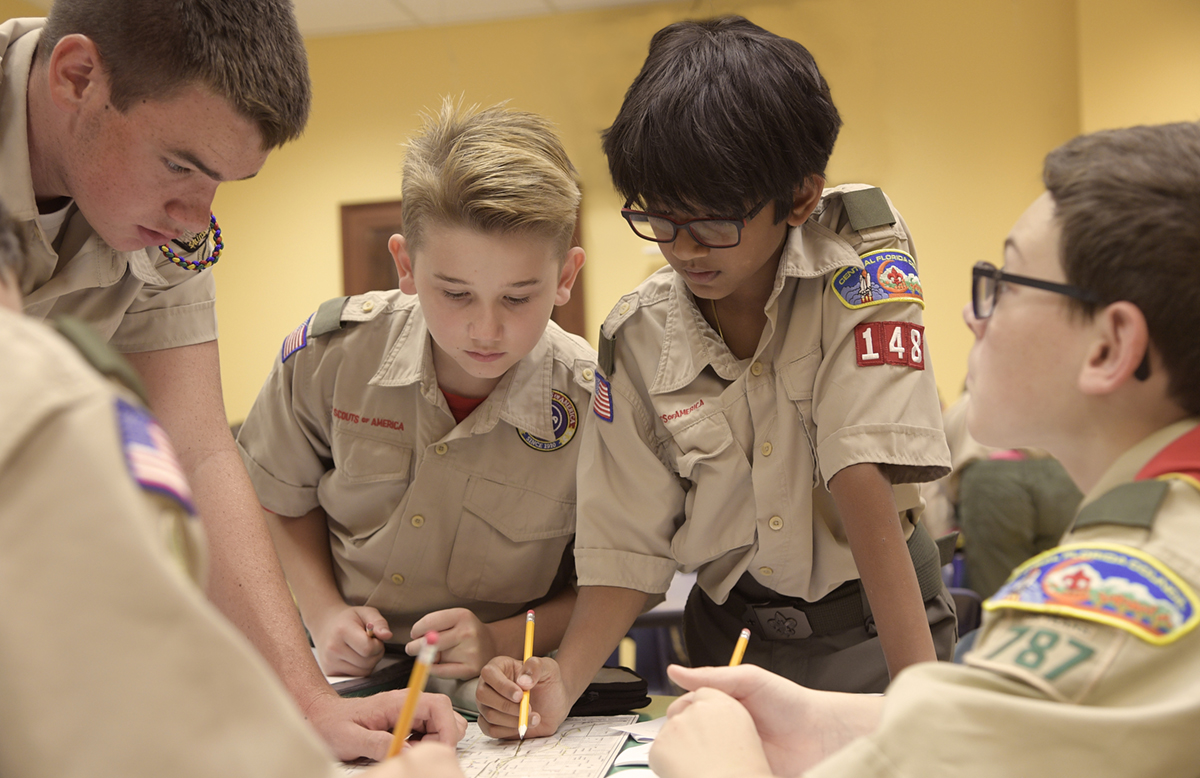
[(465, 644), (708, 734), (361, 726), (345, 645), (424, 760), (798, 727), (501, 686)]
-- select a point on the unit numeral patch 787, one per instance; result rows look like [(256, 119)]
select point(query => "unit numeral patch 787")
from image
[(890, 343)]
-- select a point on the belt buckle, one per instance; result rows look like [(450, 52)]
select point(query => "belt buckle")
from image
[(772, 622)]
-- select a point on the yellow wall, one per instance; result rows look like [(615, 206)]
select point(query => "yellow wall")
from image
[(948, 106)]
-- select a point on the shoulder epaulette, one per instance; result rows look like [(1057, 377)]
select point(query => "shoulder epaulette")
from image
[(867, 208), (1129, 505), (100, 355), (328, 317), (604, 354)]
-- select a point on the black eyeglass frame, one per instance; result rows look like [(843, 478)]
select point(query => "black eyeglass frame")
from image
[(630, 214), (988, 271)]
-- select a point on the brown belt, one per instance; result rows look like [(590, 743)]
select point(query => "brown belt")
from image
[(790, 618)]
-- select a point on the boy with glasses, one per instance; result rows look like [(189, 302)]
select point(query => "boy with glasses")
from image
[(1088, 660), (764, 407)]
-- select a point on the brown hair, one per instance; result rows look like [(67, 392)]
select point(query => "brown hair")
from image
[(1128, 202), (249, 52), (493, 170)]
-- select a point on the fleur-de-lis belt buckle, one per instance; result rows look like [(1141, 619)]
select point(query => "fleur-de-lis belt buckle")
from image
[(774, 623)]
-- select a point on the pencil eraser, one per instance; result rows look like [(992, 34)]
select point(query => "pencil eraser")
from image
[(431, 637)]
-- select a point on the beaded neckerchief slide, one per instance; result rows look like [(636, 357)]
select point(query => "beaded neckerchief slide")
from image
[(194, 242)]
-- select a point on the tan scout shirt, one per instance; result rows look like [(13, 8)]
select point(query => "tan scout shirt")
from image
[(1053, 695), (720, 465), (113, 661), (138, 300), (424, 513)]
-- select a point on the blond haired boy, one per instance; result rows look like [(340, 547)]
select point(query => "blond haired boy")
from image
[(417, 454)]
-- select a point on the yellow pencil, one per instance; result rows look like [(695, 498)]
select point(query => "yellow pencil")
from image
[(416, 685), (523, 718), (740, 649)]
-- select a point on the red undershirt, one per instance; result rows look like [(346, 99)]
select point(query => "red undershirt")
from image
[(461, 407)]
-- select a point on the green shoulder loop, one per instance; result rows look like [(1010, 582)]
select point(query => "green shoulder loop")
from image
[(1129, 505), (328, 317), (100, 355), (867, 208), (604, 357)]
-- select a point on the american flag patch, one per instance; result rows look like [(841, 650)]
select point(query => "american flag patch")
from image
[(297, 340), (150, 456), (602, 402)]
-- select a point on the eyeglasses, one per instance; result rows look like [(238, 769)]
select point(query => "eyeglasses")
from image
[(713, 233), (985, 288)]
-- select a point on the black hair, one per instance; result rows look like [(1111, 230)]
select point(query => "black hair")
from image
[(722, 116)]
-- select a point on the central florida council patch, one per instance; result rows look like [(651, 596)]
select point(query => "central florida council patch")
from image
[(1105, 583), (565, 420), (887, 276)]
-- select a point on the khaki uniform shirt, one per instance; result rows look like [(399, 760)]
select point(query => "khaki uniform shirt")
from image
[(720, 465), (138, 300), (114, 663), (424, 513), (1060, 693)]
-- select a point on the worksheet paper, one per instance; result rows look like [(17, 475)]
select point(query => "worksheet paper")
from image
[(583, 747)]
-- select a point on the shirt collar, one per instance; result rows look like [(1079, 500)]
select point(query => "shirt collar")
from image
[(522, 398), (690, 345), (1129, 463)]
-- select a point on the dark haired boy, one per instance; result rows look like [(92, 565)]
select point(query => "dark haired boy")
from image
[(1088, 661), (118, 120), (764, 407)]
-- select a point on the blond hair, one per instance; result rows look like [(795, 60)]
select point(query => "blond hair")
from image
[(492, 170)]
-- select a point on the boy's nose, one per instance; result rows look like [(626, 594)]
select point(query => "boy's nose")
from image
[(685, 246), (976, 326), (486, 327)]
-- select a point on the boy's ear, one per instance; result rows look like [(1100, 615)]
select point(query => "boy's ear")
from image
[(568, 274), (76, 73), (404, 266), (1120, 341), (805, 201)]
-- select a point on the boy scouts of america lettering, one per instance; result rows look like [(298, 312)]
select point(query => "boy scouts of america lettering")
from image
[(354, 418), (564, 419)]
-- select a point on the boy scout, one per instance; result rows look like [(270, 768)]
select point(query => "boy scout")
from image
[(148, 679), (780, 354), (1088, 661), (118, 120), (418, 452)]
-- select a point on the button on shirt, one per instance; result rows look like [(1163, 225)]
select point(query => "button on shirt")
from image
[(720, 465), (138, 300), (424, 513)]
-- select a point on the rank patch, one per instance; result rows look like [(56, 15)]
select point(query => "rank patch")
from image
[(565, 420), (296, 341), (150, 456), (1106, 583), (887, 276), (602, 402), (890, 343)]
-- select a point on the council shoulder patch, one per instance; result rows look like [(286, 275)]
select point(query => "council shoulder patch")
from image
[(565, 420), (150, 456), (1107, 583), (296, 341), (887, 276)]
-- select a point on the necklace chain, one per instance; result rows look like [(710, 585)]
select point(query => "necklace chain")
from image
[(716, 318)]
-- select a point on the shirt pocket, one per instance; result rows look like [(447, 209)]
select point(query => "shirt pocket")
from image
[(699, 444), (509, 544), (365, 486), (799, 381)]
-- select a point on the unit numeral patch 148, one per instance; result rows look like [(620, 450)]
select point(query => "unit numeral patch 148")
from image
[(890, 343)]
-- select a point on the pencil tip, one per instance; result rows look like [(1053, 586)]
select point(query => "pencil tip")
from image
[(521, 732)]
